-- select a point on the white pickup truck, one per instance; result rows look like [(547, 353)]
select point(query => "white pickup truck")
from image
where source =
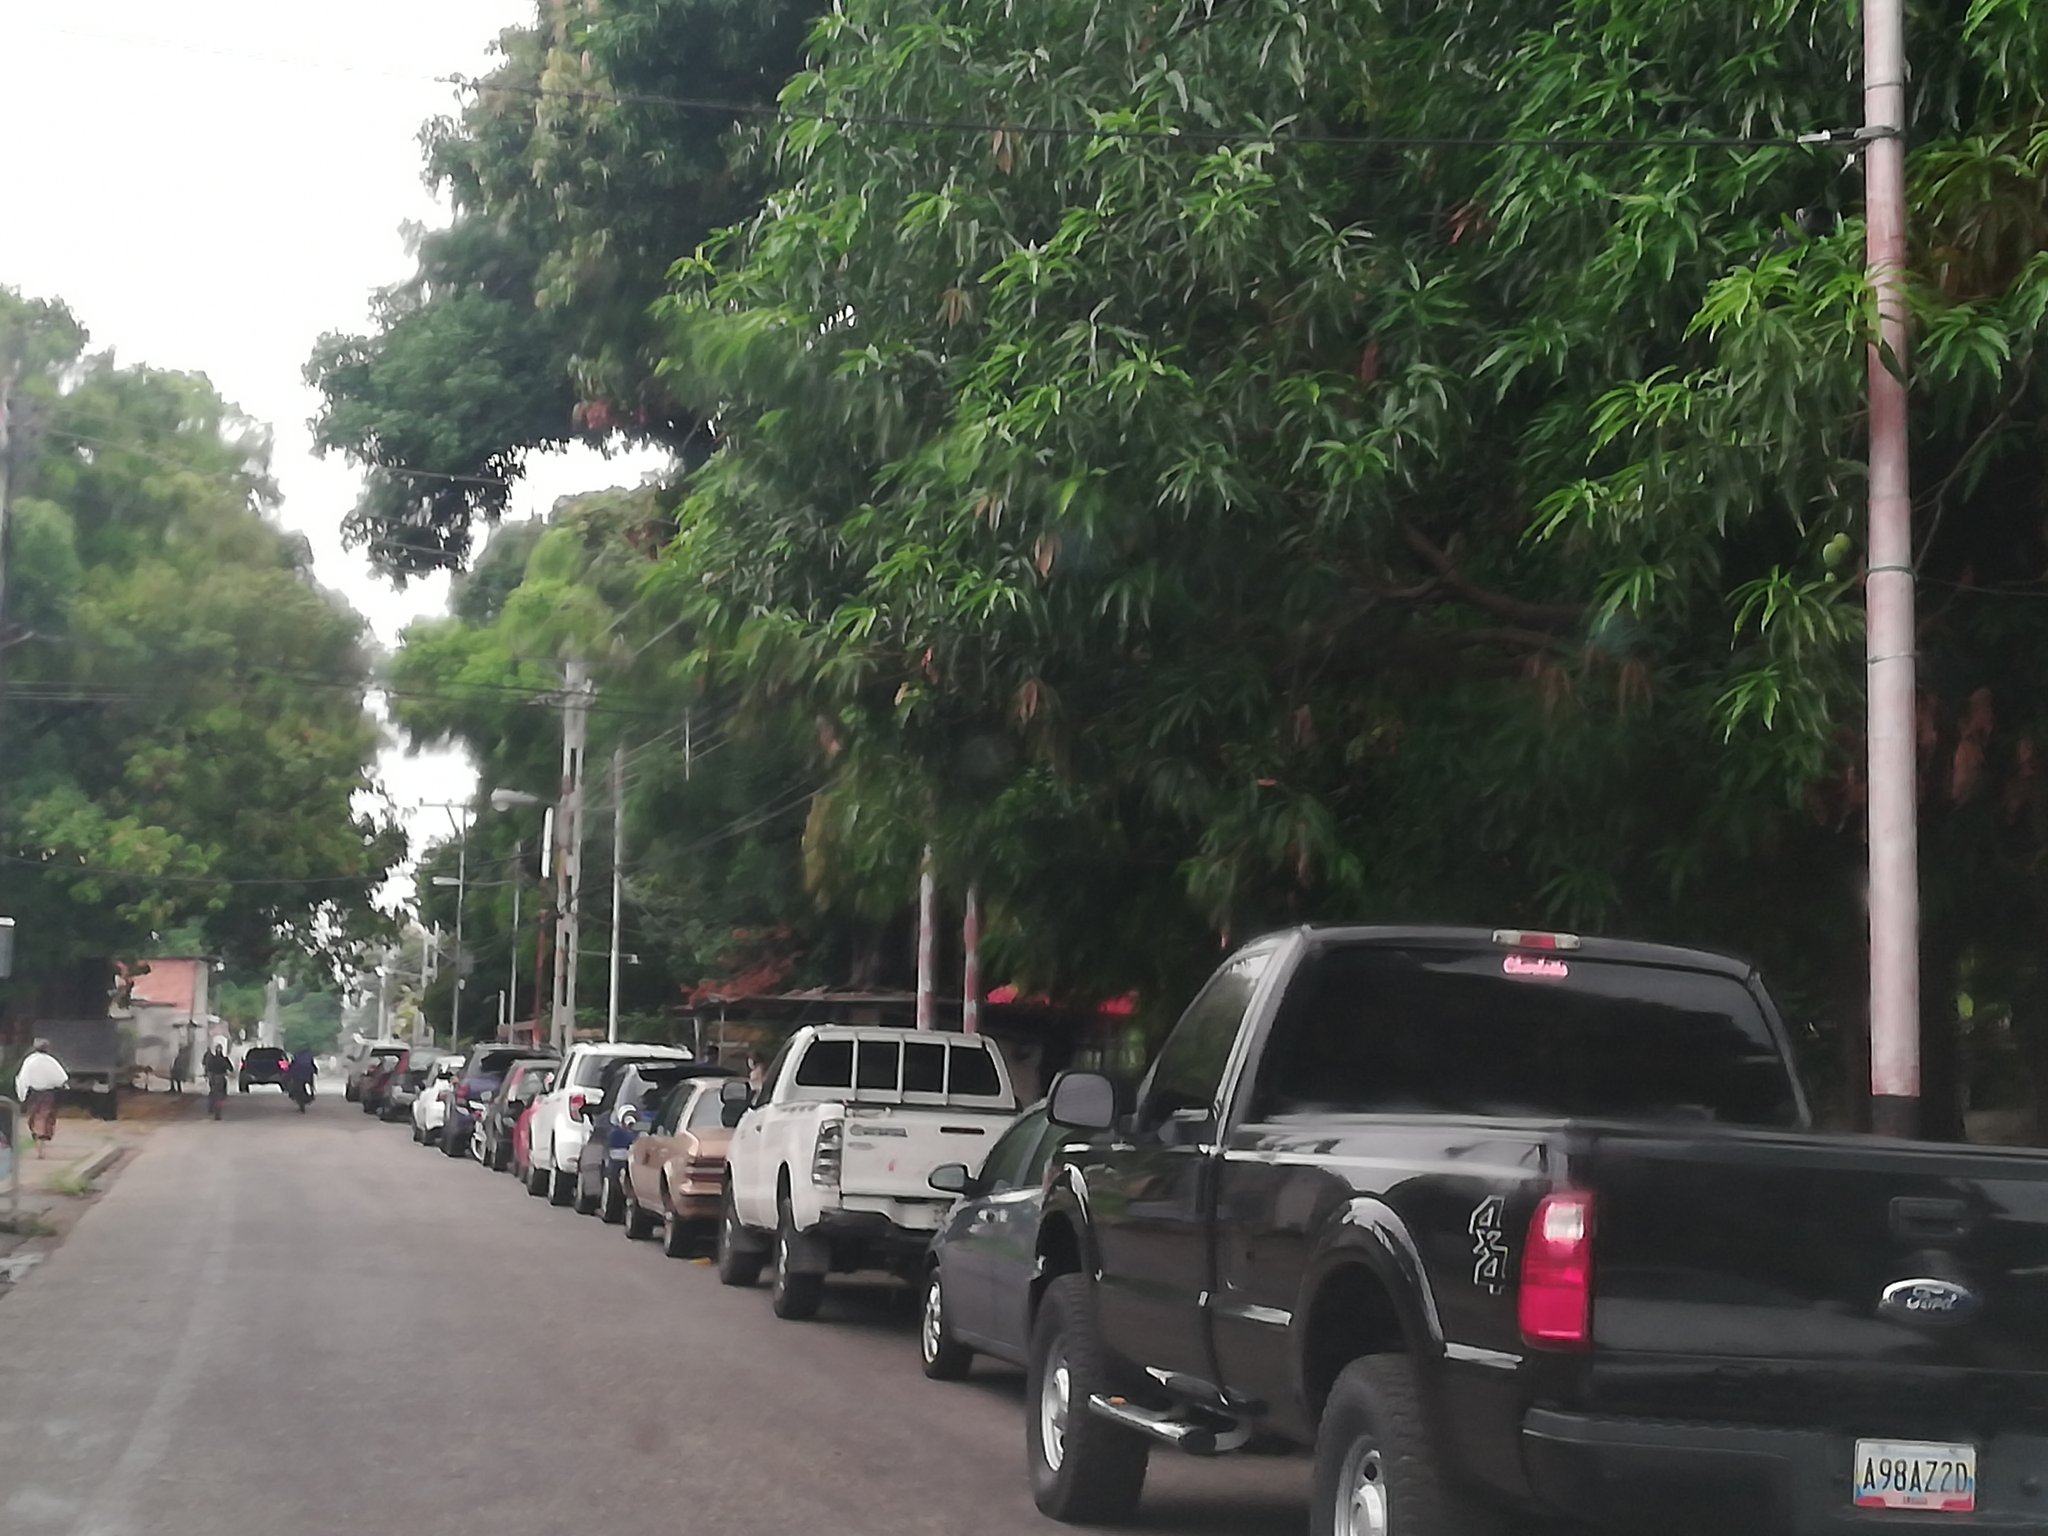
[(830, 1167)]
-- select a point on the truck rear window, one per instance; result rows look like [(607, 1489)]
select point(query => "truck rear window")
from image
[(1384, 1031)]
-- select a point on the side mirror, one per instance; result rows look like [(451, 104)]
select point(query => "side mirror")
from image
[(1082, 1101), (950, 1178), (735, 1091)]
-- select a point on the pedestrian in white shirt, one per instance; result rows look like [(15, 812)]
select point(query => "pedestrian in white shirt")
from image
[(36, 1086)]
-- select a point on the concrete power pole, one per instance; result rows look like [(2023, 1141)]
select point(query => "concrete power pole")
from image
[(927, 943), (569, 851), (1888, 597), (618, 878), (8, 366)]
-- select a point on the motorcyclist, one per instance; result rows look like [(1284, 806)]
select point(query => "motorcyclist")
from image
[(300, 1074)]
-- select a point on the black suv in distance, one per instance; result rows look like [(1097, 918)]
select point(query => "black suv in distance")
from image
[(263, 1064)]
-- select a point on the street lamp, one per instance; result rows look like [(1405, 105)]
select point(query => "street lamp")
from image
[(455, 998)]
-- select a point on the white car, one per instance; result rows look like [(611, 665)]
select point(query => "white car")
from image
[(430, 1107), (559, 1129), (830, 1168)]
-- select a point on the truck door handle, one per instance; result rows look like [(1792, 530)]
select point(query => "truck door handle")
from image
[(1917, 1219)]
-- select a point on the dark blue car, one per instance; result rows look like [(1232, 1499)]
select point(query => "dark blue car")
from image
[(475, 1081), (624, 1106), (977, 1278)]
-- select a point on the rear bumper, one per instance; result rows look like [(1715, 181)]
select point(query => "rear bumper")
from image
[(869, 1240), (1647, 1474), (704, 1208)]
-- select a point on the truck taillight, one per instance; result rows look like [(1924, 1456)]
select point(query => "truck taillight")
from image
[(825, 1161), (1555, 1303), (575, 1105)]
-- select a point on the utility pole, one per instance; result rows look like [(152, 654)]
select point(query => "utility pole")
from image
[(512, 965), (970, 966), (618, 876), (9, 366), (569, 850), (1888, 596), (927, 917), (461, 885)]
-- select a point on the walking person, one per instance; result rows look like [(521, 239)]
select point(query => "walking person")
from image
[(181, 1065), (218, 1070), (36, 1085)]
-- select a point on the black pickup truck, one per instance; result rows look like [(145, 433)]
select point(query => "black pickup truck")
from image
[(1511, 1225)]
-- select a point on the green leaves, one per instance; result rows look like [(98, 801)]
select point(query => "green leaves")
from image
[(186, 737)]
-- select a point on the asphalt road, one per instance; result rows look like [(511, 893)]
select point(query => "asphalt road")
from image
[(287, 1325)]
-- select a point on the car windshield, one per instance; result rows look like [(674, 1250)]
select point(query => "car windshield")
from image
[(706, 1114)]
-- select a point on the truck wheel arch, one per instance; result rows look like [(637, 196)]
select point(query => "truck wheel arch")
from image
[(1063, 1247), (1351, 1314), (1366, 1293)]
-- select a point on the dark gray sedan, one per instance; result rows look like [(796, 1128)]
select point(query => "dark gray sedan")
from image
[(977, 1276)]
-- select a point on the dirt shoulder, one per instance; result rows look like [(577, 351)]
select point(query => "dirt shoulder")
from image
[(86, 1156)]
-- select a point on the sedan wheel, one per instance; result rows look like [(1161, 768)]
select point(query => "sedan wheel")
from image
[(611, 1205), (675, 1237), (945, 1359)]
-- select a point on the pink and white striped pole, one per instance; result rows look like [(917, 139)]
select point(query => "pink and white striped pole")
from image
[(970, 1006), (927, 904)]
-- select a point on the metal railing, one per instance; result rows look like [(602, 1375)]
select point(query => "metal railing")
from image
[(11, 1138)]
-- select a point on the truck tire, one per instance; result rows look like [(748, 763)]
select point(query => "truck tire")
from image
[(1377, 1466), (794, 1298), (739, 1261), (1084, 1470), (451, 1144), (561, 1186), (945, 1357), (585, 1203), (536, 1181)]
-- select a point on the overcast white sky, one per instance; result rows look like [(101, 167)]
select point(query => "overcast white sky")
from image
[(210, 185)]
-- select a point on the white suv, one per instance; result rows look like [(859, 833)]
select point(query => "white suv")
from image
[(560, 1128)]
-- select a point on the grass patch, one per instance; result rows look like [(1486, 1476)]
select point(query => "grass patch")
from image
[(28, 1224), (70, 1182)]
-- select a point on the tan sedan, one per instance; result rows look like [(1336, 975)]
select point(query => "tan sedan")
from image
[(677, 1169)]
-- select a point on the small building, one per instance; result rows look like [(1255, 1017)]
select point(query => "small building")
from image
[(169, 1011)]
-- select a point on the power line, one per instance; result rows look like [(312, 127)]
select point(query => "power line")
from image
[(1205, 137), (59, 866), (770, 111)]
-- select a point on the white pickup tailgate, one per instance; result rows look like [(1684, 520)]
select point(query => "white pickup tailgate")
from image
[(891, 1149)]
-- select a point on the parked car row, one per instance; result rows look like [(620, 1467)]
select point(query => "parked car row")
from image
[(1499, 1226)]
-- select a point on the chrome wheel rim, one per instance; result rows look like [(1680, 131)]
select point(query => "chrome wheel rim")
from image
[(1054, 1399), (934, 1332), (1362, 1494)]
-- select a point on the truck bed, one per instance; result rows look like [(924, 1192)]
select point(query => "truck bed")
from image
[(1759, 1276)]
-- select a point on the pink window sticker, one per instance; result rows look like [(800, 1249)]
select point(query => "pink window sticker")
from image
[(1529, 965)]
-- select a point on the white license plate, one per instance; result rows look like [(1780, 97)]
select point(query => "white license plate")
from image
[(1916, 1474)]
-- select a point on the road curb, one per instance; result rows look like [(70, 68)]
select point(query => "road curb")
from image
[(101, 1161)]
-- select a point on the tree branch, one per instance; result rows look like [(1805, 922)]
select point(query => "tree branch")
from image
[(1513, 609)]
